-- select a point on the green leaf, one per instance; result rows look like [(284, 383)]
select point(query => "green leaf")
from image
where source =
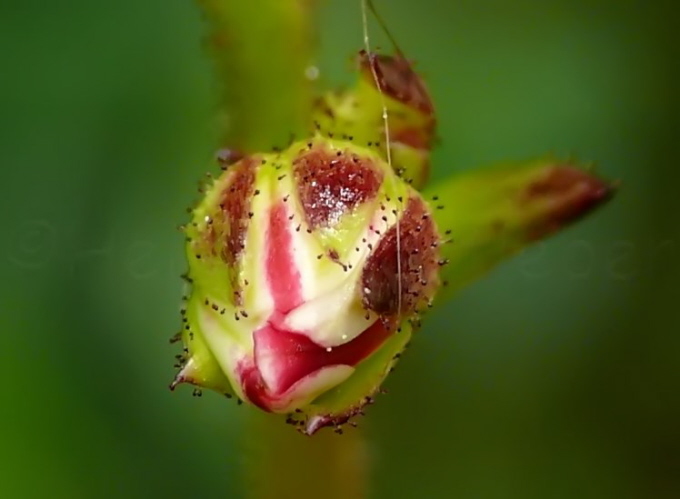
[(490, 214)]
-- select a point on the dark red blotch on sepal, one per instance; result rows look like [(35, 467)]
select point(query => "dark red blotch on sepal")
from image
[(411, 256), (397, 79), (332, 183), (572, 192)]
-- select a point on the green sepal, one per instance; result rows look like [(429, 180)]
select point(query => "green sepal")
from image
[(358, 113), (200, 366)]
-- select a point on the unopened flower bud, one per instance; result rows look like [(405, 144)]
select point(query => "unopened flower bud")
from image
[(386, 85), (304, 266)]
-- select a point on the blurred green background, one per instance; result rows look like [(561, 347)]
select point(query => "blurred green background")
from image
[(556, 377)]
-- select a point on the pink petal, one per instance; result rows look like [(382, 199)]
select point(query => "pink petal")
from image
[(283, 358), (283, 277)]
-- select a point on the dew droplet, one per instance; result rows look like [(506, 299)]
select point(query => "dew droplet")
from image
[(312, 72)]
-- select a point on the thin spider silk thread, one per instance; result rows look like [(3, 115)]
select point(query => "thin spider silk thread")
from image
[(367, 47)]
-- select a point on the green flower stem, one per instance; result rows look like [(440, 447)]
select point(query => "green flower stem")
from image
[(288, 465), (490, 214), (260, 50)]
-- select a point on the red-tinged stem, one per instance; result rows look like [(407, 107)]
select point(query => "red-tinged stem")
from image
[(490, 214)]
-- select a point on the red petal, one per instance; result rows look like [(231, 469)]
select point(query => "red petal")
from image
[(289, 357), (286, 357), (283, 277)]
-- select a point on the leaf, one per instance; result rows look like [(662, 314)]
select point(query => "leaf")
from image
[(490, 214)]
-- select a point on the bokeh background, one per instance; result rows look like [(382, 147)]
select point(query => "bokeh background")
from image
[(556, 377)]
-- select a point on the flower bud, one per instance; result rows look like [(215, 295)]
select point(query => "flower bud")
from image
[(385, 84), (304, 266)]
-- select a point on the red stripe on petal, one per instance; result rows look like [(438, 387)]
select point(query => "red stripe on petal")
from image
[(283, 277)]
